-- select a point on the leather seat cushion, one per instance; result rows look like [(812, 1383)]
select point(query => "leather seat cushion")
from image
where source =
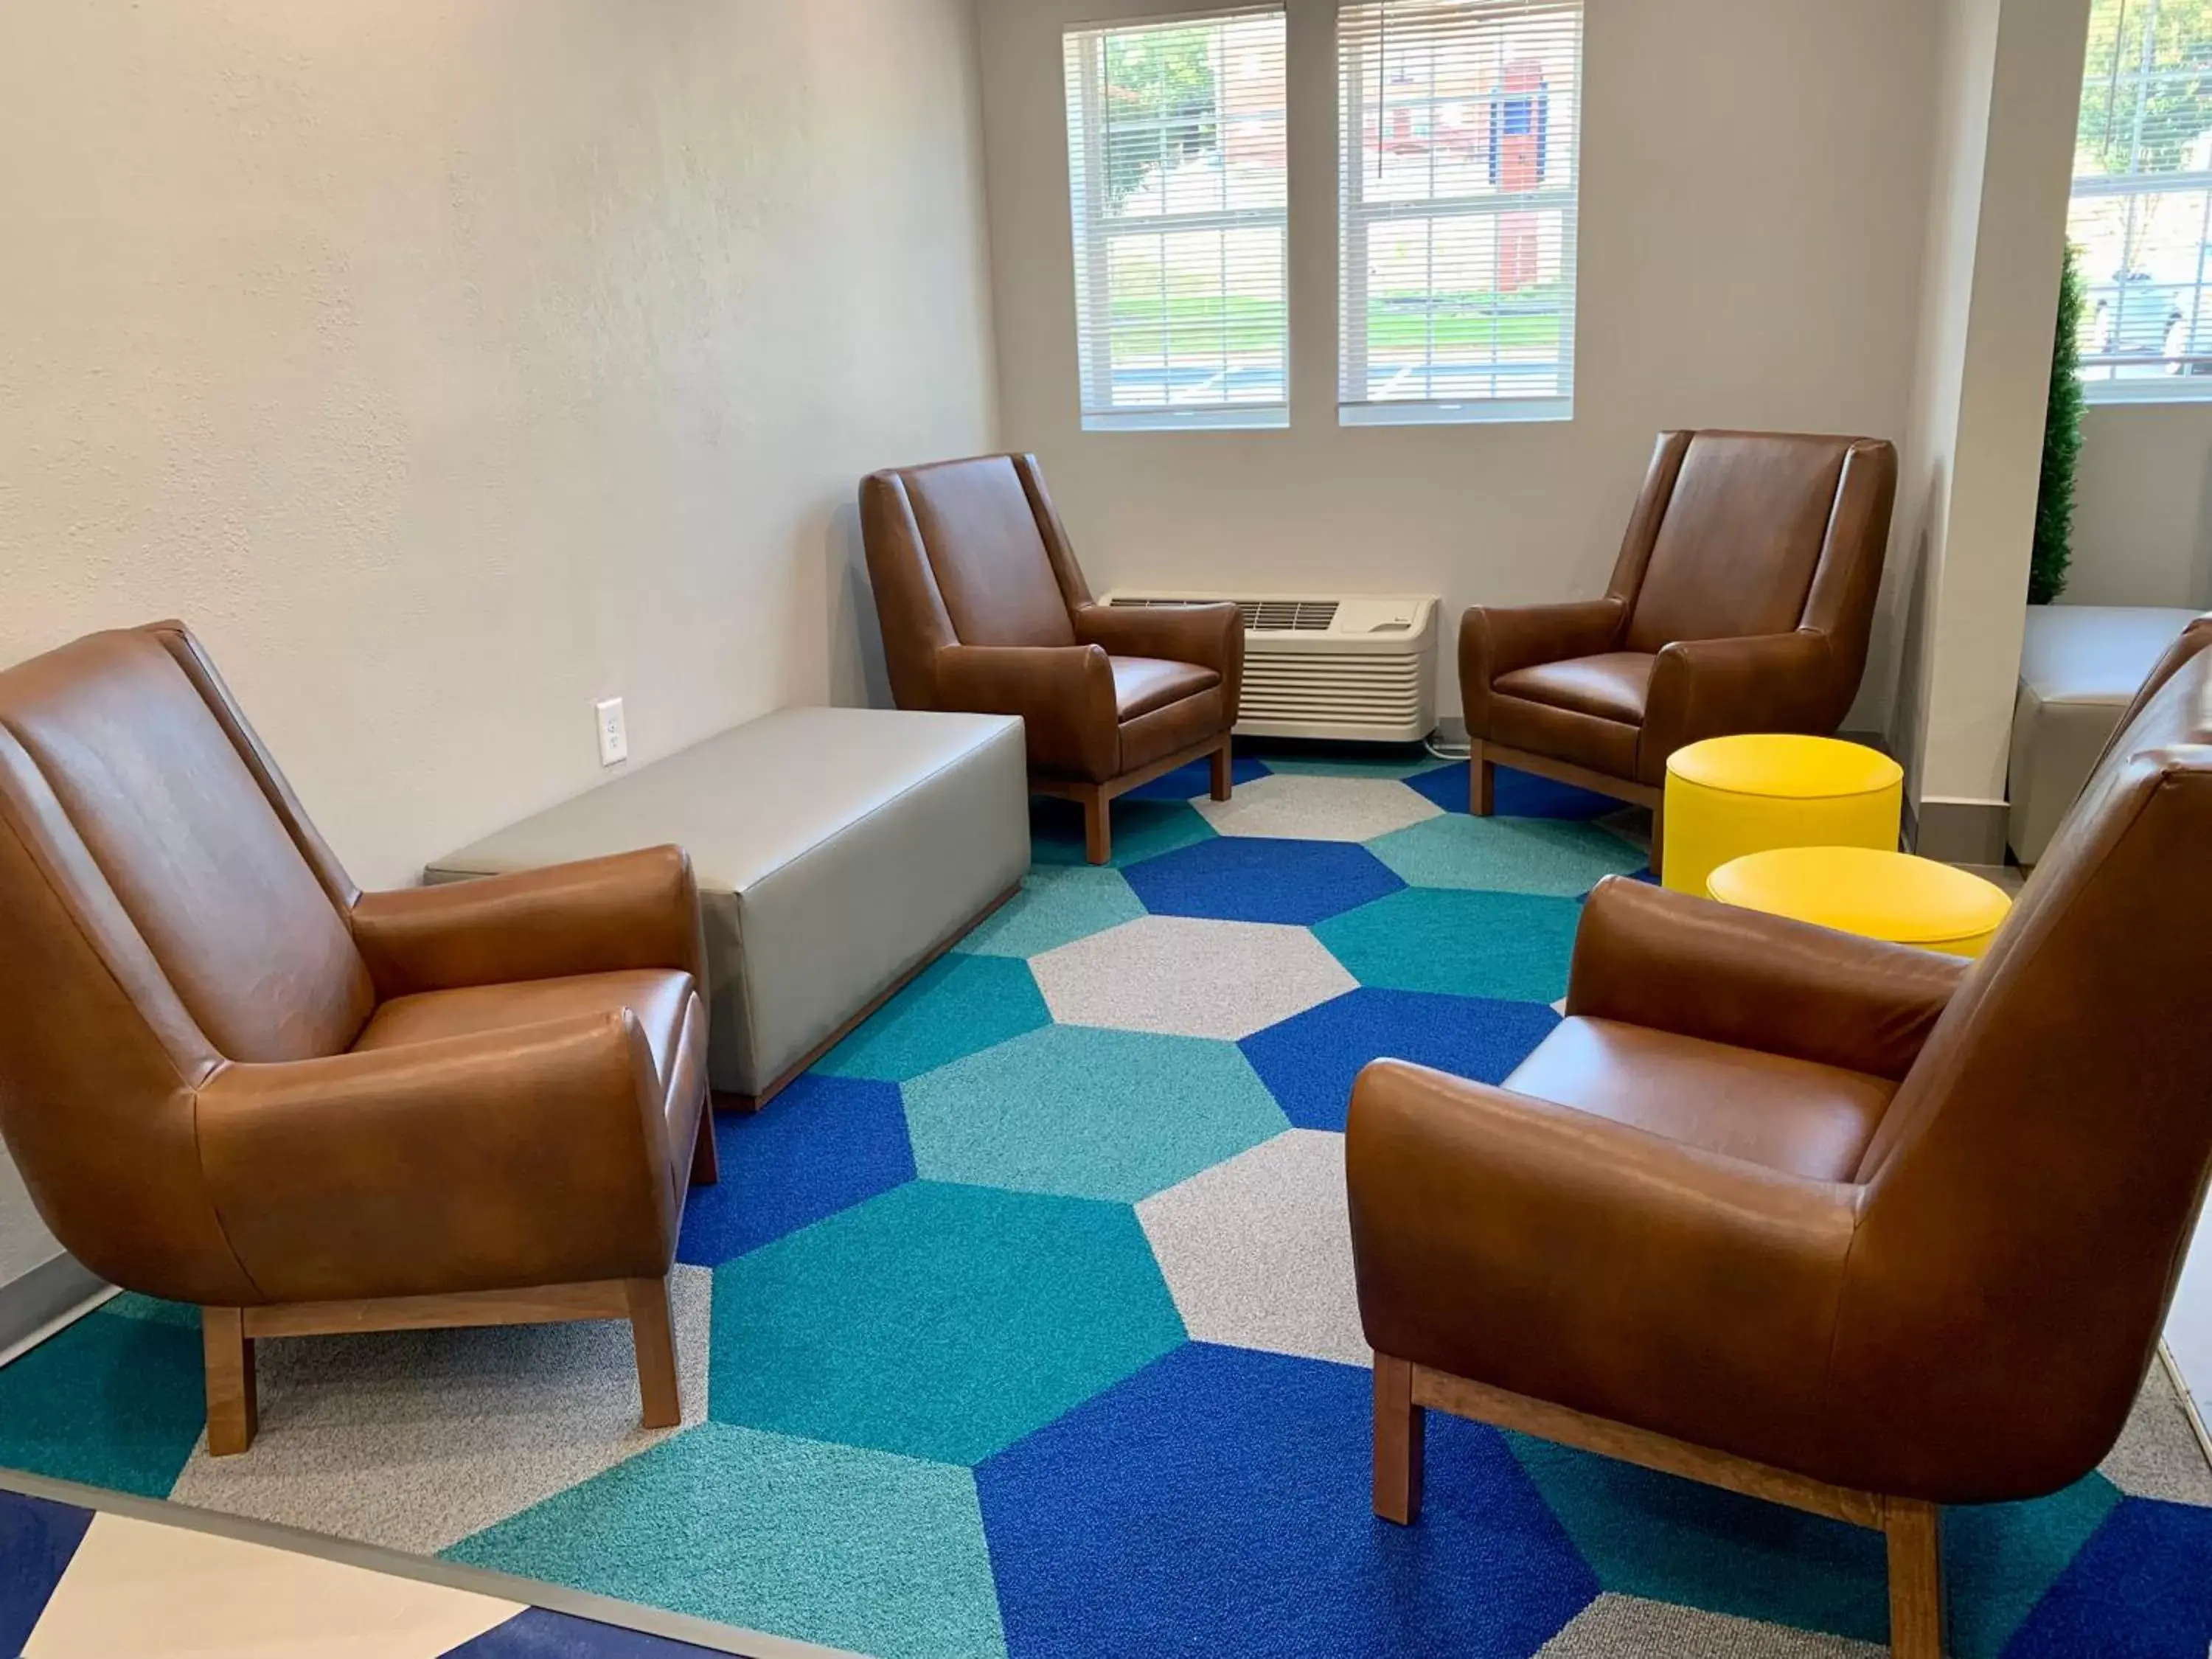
[(1179, 724), (1789, 1115), (1142, 684), (1603, 745), (1611, 686), (657, 996)]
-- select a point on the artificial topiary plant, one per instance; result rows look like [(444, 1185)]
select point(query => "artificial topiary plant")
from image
[(2062, 445)]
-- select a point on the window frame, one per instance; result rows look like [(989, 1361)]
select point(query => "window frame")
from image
[(1092, 231), (2175, 386), (1357, 218)]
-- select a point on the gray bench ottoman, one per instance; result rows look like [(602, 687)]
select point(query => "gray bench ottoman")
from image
[(2080, 666), (838, 852)]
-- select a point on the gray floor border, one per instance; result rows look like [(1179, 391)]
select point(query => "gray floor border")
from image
[(2188, 1406), (36, 1304), (428, 1570)]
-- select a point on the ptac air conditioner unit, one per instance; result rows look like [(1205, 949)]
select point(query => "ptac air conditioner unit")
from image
[(1317, 665)]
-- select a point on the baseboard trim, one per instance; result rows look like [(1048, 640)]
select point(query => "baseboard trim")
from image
[(2188, 1401), (1958, 831), (51, 1295)]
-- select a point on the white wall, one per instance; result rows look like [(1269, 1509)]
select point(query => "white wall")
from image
[(449, 366), (2189, 1327), (2142, 506), (2008, 83), (1753, 180)]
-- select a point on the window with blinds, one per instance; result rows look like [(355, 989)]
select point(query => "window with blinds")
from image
[(2141, 210), (1459, 122), (1177, 150)]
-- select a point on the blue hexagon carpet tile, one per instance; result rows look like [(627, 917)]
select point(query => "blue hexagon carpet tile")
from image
[(1023, 1325)]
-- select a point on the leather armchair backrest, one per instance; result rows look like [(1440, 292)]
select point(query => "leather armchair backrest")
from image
[(1745, 523), (164, 907), (2035, 1183), (151, 780), (987, 551)]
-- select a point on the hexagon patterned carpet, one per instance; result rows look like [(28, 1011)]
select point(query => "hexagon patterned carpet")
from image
[(1023, 1325)]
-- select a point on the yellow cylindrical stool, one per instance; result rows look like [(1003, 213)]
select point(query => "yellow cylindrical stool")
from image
[(1729, 796), (1892, 896)]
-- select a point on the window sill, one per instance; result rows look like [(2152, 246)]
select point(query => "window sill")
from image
[(1270, 418), (2164, 389), (1501, 412)]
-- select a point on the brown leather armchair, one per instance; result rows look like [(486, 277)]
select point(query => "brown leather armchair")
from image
[(984, 611), (1850, 1226), (230, 1077), (1741, 602)]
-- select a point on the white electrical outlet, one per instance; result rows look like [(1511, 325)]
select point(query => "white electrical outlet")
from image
[(614, 735)]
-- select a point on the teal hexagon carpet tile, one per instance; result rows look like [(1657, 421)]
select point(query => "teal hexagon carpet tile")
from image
[(1023, 1325)]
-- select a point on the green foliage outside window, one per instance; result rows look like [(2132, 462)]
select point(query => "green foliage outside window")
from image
[(1162, 105), (2134, 122)]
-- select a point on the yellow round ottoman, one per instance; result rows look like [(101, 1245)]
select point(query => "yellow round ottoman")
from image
[(1729, 796), (1892, 896)]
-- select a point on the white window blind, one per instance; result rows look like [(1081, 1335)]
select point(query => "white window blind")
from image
[(2141, 210), (1176, 148), (1459, 121)]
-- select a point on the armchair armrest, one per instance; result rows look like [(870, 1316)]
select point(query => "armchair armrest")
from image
[(1648, 956), (1560, 1254), (1064, 694), (1210, 635), (1493, 642), (498, 1160), (1496, 640), (595, 916), (1757, 682)]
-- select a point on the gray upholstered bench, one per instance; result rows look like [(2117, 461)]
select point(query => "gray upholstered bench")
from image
[(2080, 666), (838, 852)]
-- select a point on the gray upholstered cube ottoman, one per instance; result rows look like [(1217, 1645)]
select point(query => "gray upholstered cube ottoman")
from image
[(838, 852), (2080, 666)]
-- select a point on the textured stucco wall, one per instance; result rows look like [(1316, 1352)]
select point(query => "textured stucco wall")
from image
[(450, 365)]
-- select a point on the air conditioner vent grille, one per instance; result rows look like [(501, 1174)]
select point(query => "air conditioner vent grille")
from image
[(1262, 616), (1352, 666)]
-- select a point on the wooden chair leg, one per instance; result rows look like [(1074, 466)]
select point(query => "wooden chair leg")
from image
[(1097, 827), (1915, 1532), (653, 1328), (706, 1157), (1401, 1429), (1222, 771), (1481, 782), (233, 1415)]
